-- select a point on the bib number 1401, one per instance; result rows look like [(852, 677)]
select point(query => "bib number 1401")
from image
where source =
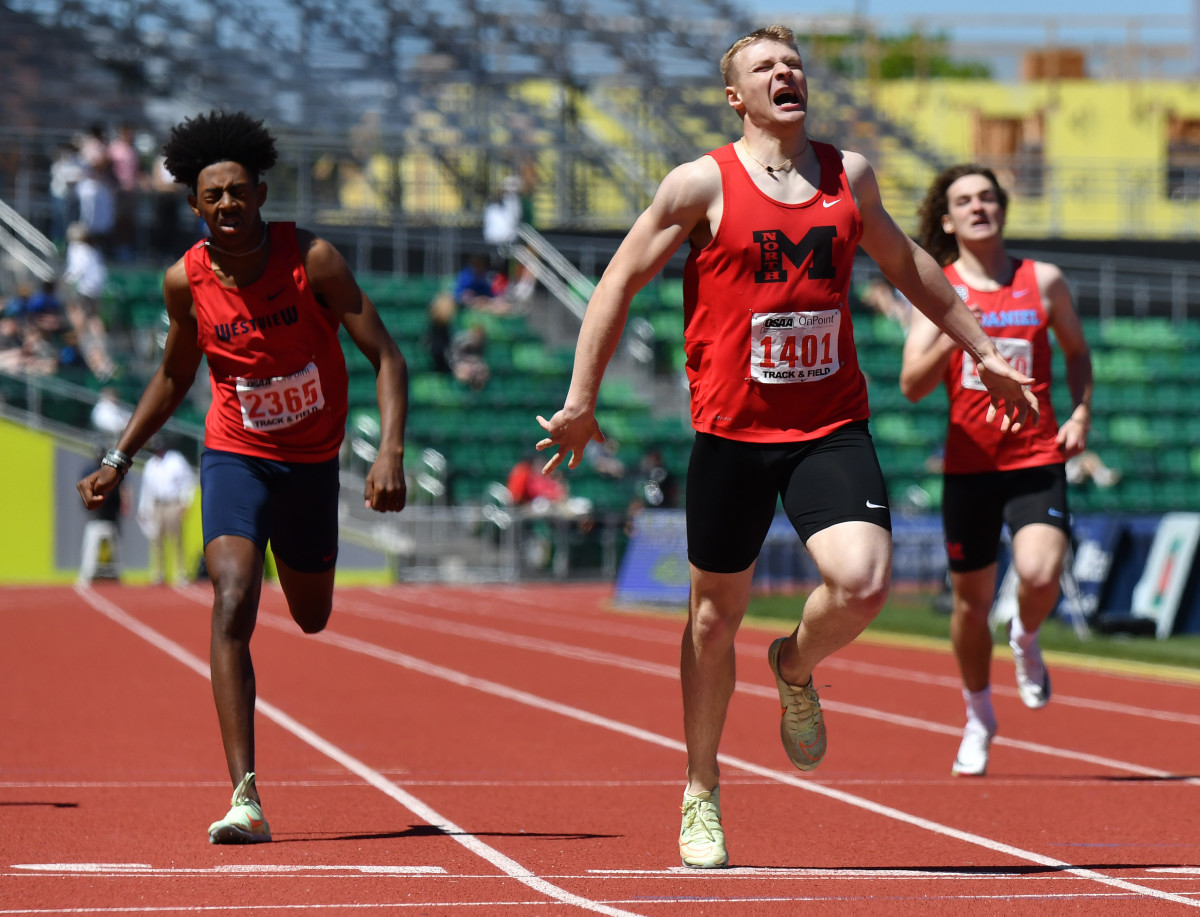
[(788, 347)]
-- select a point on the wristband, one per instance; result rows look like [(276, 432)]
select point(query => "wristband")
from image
[(114, 458)]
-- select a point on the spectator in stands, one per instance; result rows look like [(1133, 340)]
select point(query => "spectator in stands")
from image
[(65, 173), (168, 485), (501, 222), (44, 308), (85, 276), (468, 359), (440, 332), (97, 195), (166, 210), (11, 340), (17, 305), (93, 148), (990, 479), (778, 402), (109, 416), (127, 179), (41, 308), (269, 473), (478, 287)]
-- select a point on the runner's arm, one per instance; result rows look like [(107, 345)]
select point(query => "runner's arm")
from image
[(166, 388), (683, 201), (336, 289)]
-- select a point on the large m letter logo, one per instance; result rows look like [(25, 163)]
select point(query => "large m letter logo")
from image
[(774, 246)]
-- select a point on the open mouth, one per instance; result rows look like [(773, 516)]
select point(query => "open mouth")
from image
[(786, 96)]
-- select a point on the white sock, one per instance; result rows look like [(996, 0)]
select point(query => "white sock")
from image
[(1018, 636), (979, 709)]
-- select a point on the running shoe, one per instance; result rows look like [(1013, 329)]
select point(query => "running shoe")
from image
[(701, 837), (1033, 681), (972, 759), (244, 823), (801, 726)]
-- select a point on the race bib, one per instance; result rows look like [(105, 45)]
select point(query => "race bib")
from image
[(790, 347), (1018, 352), (271, 404)]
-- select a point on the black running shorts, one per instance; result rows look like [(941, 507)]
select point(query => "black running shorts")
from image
[(733, 489), (976, 506)]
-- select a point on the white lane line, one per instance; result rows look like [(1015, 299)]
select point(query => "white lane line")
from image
[(371, 776), (601, 657), (524, 697), (271, 908), (536, 614), (247, 869), (1064, 898)]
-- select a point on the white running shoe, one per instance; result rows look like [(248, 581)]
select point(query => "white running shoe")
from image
[(1033, 681), (701, 837), (244, 822), (972, 757)]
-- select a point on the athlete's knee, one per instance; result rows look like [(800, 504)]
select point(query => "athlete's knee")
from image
[(235, 606), (863, 589), (312, 617), (713, 624)]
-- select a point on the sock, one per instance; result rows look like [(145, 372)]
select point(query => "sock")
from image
[(1018, 636), (979, 709)]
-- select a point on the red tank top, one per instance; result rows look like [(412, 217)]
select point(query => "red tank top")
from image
[(767, 330), (1014, 317), (278, 376)]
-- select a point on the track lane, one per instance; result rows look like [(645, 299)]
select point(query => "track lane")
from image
[(634, 817)]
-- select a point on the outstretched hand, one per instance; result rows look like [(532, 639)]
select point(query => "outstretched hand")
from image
[(1010, 394), (571, 435)]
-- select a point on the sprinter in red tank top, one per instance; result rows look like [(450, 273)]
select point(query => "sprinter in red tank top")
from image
[(1018, 479), (778, 401), (263, 304)]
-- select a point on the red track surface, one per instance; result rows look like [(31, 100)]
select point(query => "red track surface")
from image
[(518, 750)]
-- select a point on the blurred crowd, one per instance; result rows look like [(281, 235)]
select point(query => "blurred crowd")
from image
[(58, 326), (115, 184)]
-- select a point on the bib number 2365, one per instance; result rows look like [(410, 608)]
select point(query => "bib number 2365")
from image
[(794, 346), (271, 404)]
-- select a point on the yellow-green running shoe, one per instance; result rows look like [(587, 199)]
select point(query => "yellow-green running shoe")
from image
[(701, 837), (244, 823), (801, 726)]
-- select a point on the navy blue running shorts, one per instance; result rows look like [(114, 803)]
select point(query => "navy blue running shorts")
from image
[(734, 487), (976, 506), (292, 505)]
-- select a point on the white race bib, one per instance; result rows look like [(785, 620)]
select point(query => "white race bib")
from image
[(271, 404), (788, 347), (1018, 352)]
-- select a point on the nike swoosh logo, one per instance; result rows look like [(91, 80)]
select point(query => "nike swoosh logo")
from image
[(256, 823), (1057, 513), (828, 204), (273, 295), (871, 505), (1017, 293)]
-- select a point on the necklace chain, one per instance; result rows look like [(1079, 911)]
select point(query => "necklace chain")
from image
[(771, 170), (263, 241)]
